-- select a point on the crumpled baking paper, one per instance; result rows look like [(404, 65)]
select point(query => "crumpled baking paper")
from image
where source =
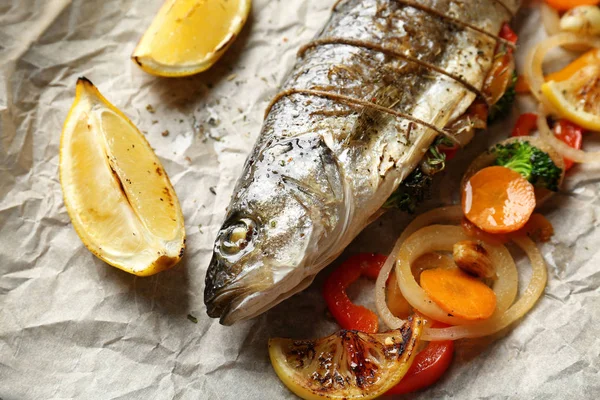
[(72, 327)]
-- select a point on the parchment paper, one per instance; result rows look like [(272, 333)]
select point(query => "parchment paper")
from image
[(72, 327)]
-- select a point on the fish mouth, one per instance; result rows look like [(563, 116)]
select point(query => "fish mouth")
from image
[(225, 292), (221, 305), (228, 306), (235, 304)]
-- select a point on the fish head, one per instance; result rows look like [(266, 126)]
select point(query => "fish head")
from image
[(250, 257), (280, 222)]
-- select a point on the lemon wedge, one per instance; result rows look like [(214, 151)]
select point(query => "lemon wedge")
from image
[(348, 364), (577, 98), (117, 194), (189, 36)]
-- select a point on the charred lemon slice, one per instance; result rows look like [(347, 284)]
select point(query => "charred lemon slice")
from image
[(347, 364), (189, 36), (117, 193), (577, 98)]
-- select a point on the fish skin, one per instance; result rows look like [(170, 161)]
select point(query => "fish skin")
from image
[(321, 169)]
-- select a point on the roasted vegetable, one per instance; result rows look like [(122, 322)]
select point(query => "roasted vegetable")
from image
[(458, 293), (429, 366), (504, 105), (473, 258), (415, 188), (498, 199), (411, 192), (532, 163), (349, 315)]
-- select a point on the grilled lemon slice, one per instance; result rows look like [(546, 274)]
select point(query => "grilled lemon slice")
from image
[(577, 98), (347, 364), (117, 193), (189, 36)]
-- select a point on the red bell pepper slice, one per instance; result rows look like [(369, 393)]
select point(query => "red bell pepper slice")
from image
[(564, 130), (571, 134), (508, 34), (450, 152), (525, 124), (349, 315), (428, 367)]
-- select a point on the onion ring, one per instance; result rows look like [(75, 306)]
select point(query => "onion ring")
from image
[(442, 238), (451, 214), (564, 149), (443, 214), (532, 293), (550, 19)]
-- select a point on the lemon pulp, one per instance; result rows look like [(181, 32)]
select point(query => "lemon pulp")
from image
[(348, 364), (117, 194), (577, 97), (188, 36)]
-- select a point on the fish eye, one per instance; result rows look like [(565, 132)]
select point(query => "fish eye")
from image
[(238, 236)]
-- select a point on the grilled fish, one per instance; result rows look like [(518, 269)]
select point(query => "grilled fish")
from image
[(355, 116)]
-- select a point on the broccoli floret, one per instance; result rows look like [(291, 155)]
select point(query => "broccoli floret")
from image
[(411, 192), (535, 165), (504, 105)]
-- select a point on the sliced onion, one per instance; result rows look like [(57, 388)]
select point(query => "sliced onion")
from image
[(442, 238), (561, 147), (534, 73), (496, 323), (550, 19), (452, 214)]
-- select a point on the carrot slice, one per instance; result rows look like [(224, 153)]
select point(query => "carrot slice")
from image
[(458, 293), (537, 228), (498, 200), (564, 5), (522, 87), (472, 231), (592, 57)]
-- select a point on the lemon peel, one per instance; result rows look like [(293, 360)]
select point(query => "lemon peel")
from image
[(574, 98), (117, 193), (348, 364), (189, 36)]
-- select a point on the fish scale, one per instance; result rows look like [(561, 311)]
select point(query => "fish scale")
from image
[(334, 145)]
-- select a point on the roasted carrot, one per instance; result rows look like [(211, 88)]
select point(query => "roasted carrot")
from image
[(592, 57), (564, 5), (471, 230), (458, 293), (429, 261), (538, 228), (396, 302), (522, 87), (498, 200)]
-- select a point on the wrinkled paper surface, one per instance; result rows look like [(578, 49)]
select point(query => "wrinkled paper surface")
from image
[(73, 327)]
